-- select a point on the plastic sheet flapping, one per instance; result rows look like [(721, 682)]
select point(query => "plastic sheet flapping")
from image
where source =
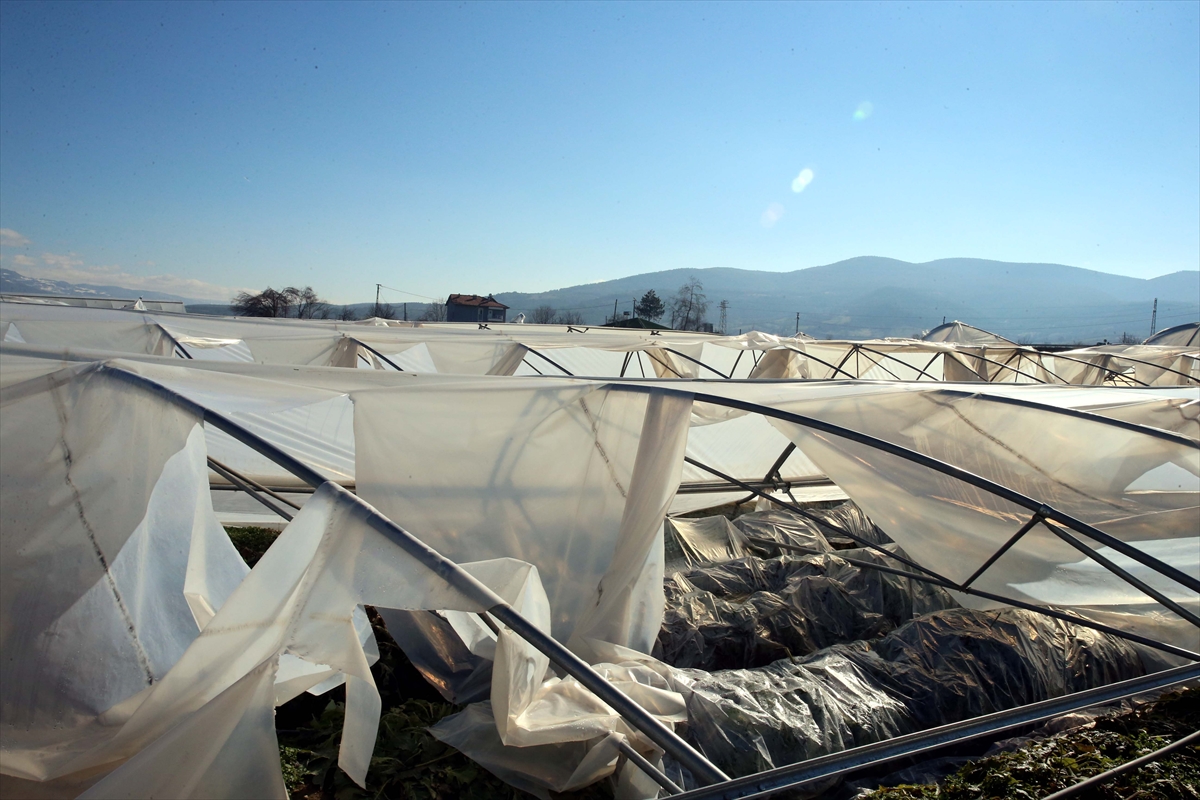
[(52, 444), (571, 477), (579, 734), (940, 668), (1141, 489), (140, 657)]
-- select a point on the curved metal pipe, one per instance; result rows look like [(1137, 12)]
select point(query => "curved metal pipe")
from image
[(455, 576)]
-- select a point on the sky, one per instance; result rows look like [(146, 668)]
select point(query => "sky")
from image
[(204, 148)]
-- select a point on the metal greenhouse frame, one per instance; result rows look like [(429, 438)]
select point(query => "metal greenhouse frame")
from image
[(716, 783)]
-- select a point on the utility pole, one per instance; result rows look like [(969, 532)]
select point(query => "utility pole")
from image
[(405, 311), (724, 306), (614, 318), (377, 287), (797, 323), (1154, 316)]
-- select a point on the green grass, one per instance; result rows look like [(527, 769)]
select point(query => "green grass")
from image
[(407, 763), (1042, 767), (251, 541)]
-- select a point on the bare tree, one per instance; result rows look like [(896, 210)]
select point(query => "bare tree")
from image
[(279, 303), (306, 301), (386, 311), (434, 312), (267, 303), (569, 318), (347, 314), (689, 306), (542, 315)]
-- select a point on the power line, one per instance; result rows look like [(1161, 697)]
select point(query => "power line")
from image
[(414, 294)]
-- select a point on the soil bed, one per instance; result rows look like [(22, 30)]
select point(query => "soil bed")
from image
[(1038, 767), (410, 763)]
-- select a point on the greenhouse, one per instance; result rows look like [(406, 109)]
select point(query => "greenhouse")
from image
[(685, 564), (959, 353)]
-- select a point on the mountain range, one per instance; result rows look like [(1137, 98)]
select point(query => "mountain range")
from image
[(859, 298), (870, 296), (12, 282)]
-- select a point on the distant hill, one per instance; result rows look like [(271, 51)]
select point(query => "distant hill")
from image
[(872, 296), (15, 283), (858, 298)]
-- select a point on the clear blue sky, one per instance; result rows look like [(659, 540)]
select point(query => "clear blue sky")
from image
[(486, 147)]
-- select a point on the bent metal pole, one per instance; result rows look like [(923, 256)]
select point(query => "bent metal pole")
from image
[(999, 490), (925, 742), (1010, 601), (455, 576)]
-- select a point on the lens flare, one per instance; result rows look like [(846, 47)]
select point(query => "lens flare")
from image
[(801, 181), (773, 214), (863, 111)]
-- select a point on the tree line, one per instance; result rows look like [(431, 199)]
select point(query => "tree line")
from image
[(305, 303), (686, 309)]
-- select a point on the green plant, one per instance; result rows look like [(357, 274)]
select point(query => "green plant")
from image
[(1044, 766), (407, 763), (251, 541)]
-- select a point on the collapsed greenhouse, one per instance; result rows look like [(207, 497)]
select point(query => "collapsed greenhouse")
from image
[(932, 541)]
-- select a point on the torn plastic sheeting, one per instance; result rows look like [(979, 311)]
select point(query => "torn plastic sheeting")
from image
[(579, 361), (209, 348), (740, 444), (637, 542), (539, 769), (411, 358), (292, 342), (1147, 365), (12, 333), (129, 335), (465, 357), (225, 748), (938, 669), (765, 610), (628, 601), (299, 603), (299, 600), (575, 745), (1078, 465), (691, 542), (540, 472), (311, 423), (73, 496)]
